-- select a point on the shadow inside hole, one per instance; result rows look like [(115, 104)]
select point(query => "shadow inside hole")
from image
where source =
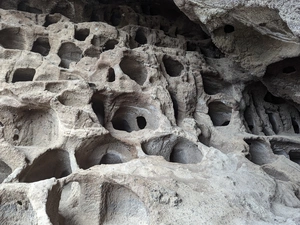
[(41, 46), (173, 67), (121, 124), (110, 44), (295, 125), (51, 19), (98, 108), (111, 76), (23, 75), (289, 69), (81, 34), (141, 122), (69, 52), (110, 158), (219, 113), (273, 99), (295, 155), (12, 38), (140, 37), (228, 29), (134, 69), (53, 163)]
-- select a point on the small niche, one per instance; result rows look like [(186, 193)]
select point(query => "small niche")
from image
[(141, 122), (12, 38), (289, 69), (69, 52), (51, 19), (81, 34), (134, 69), (219, 113), (98, 108), (110, 44), (23, 75), (140, 37), (41, 46), (172, 66), (228, 29), (111, 76), (116, 17), (295, 155), (110, 158), (273, 99)]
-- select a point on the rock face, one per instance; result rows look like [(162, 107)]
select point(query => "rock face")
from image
[(132, 112)]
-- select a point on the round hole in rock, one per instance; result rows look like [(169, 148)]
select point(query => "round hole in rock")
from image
[(110, 44), (173, 67), (228, 29), (140, 37), (134, 69), (141, 122), (81, 34), (110, 158), (289, 69), (111, 76)]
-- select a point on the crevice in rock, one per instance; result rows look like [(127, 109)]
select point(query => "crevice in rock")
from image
[(260, 152)]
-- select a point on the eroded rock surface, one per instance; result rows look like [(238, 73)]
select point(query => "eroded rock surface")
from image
[(149, 112)]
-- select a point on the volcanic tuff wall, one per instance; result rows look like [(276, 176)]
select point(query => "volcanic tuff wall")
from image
[(132, 112)]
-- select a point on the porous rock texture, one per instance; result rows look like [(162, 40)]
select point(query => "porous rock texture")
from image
[(149, 112)]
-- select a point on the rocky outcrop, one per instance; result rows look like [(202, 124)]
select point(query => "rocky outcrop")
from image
[(132, 112)]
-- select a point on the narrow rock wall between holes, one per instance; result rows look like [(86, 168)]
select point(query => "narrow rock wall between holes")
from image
[(132, 112)]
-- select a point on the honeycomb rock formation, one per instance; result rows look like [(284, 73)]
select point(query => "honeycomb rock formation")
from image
[(149, 112)]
